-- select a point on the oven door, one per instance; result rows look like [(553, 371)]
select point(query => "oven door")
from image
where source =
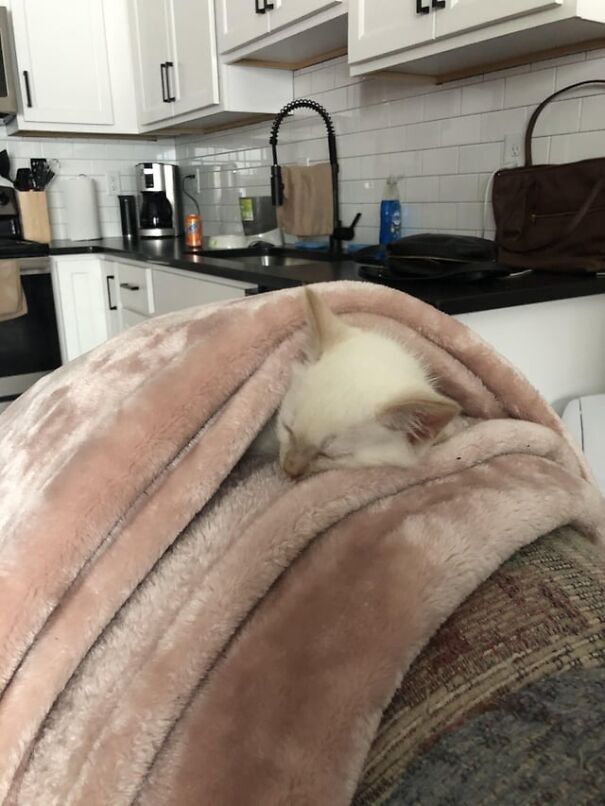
[(8, 92), (29, 345)]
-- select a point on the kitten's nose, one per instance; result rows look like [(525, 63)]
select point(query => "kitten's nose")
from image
[(295, 466)]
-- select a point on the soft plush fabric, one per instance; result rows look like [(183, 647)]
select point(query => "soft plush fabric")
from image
[(181, 624), (540, 615)]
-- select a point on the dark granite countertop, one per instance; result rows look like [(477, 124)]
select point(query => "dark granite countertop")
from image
[(455, 296)]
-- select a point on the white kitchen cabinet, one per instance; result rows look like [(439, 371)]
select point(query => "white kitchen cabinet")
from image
[(287, 12), (240, 22), (83, 314), (152, 44), (179, 73), (110, 297), (288, 33), (134, 289), (79, 67), (466, 15), (463, 37), (175, 290), (194, 56), (63, 61), (378, 27), (175, 49)]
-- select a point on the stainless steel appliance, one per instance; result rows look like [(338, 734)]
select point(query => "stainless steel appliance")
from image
[(8, 90), (29, 345), (259, 220), (160, 209)]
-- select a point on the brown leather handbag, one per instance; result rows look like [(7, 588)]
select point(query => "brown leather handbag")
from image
[(551, 217)]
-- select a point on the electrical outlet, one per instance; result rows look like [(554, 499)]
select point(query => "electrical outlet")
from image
[(513, 149), (113, 182)]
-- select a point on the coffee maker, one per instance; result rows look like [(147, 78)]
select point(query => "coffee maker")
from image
[(160, 213)]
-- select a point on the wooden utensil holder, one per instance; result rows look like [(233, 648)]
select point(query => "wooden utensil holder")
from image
[(33, 207)]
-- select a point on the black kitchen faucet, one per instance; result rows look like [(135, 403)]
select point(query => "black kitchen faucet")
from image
[(339, 233)]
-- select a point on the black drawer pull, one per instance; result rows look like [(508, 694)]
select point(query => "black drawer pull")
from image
[(130, 286), (420, 9), (163, 72), (28, 91), (260, 9), (112, 307), (169, 96), (439, 3)]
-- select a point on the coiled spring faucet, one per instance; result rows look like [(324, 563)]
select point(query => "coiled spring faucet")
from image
[(339, 233)]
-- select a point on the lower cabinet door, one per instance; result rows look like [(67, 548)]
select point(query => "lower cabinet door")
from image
[(80, 289)]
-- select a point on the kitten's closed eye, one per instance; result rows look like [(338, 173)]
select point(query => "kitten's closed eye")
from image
[(361, 400)]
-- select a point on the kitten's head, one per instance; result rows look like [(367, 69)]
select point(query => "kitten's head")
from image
[(361, 399)]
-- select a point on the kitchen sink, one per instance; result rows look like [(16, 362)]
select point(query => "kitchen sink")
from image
[(268, 257)]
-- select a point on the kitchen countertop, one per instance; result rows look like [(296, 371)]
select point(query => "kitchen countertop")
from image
[(453, 297)]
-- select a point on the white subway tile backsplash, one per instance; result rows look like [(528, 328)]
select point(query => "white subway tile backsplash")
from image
[(442, 104), (521, 90), (581, 70), (560, 117), (460, 130), (407, 111), (421, 189), (580, 146), (446, 142), (483, 97), (592, 117), (422, 135), (439, 161), (479, 158), (496, 125), (458, 188)]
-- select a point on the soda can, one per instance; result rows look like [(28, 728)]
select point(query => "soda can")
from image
[(193, 230)]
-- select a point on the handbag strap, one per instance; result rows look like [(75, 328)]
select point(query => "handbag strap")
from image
[(537, 112)]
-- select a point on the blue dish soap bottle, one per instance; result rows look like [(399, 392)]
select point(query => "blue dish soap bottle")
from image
[(390, 212)]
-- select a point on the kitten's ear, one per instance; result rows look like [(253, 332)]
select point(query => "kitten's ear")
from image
[(326, 328), (422, 418)]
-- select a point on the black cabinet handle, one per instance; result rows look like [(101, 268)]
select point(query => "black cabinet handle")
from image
[(169, 96), (260, 9), (269, 6), (164, 82), (130, 286), (420, 9), (28, 92), (109, 277), (439, 3)]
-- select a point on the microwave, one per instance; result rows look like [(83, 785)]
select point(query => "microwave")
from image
[(8, 90)]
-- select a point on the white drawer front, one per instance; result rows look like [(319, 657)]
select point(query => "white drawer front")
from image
[(129, 318), (135, 289), (173, 292)]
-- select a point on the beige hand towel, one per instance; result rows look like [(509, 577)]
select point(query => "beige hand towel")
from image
[(307, 207), (12, 298)]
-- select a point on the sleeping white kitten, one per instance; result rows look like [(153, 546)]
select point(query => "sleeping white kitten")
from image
[(361, 400)]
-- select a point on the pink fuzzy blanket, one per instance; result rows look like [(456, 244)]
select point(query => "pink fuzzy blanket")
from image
[(180, 623)]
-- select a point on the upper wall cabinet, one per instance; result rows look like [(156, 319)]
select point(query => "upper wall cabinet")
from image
[(175, 48), (179, 75), (289, 33), (63, 85), (73, 64), (451, 38)]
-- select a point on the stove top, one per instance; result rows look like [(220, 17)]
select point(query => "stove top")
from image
[(11, 248)]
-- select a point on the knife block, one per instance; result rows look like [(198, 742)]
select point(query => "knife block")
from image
[(33, 207)]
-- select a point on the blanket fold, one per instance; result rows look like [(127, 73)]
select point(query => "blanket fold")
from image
[(183, 624)]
